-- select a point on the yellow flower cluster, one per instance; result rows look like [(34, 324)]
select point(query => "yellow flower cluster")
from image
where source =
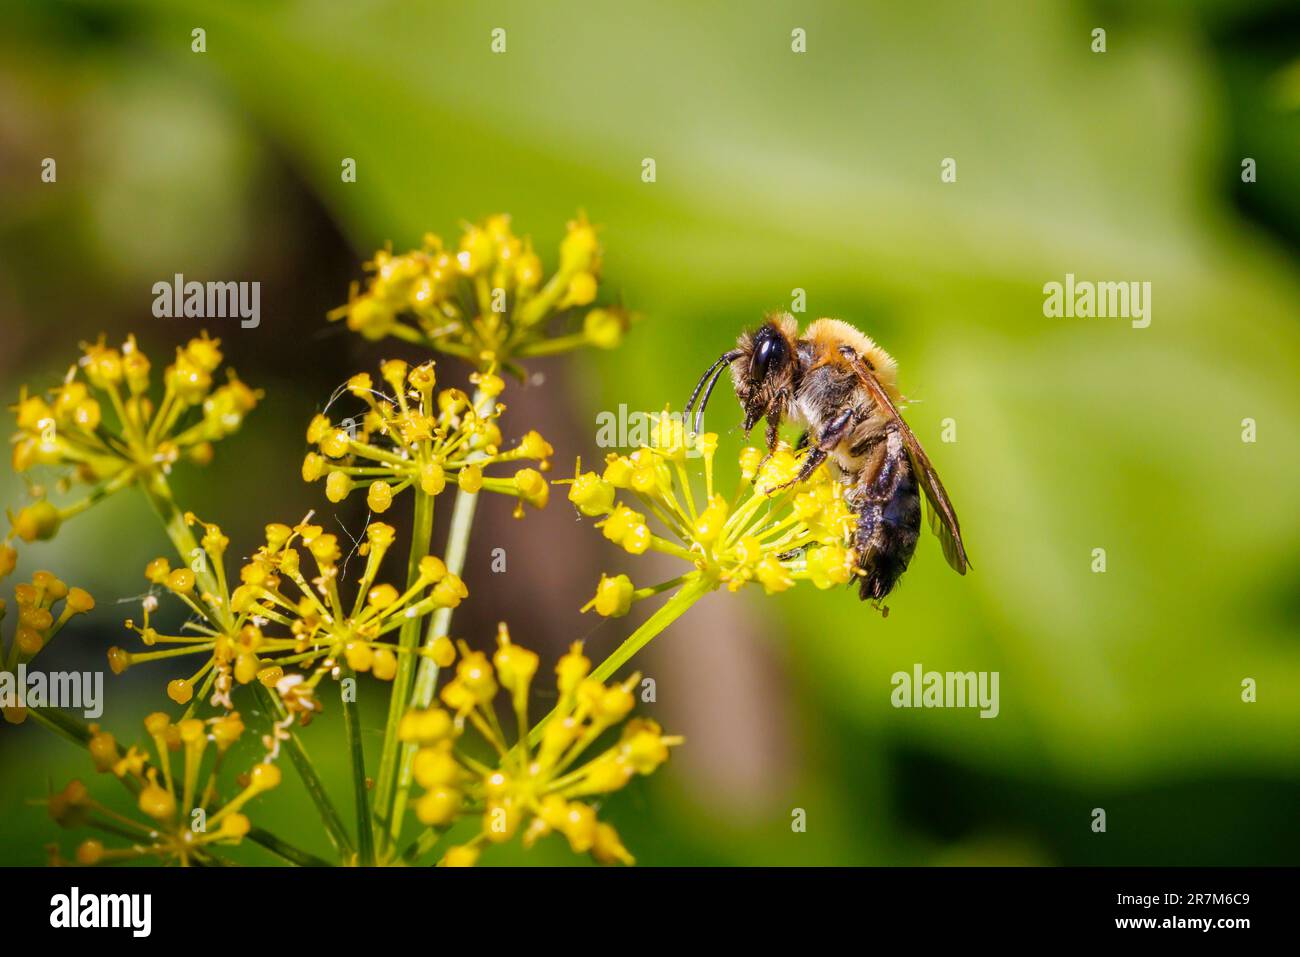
[(533, 792), (184, 818), (37, 623), (418, 438), (319, 630), (772, 531), (487, 300), (103, 424)]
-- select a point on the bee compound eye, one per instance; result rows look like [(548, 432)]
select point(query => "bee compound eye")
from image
[(767, 356)]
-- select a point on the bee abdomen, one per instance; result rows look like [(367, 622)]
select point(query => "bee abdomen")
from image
[(889, 524)]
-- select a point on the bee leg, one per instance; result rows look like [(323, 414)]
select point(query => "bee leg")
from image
[(814, 458), (772, 435), (835, 430), (803, 441)]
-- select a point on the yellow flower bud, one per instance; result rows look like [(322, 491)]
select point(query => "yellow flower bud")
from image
[(370, 317), (37, 522), (461, 855), (103, 751), (435, 767), (613, 596), (432, 569), (438, 806), (572, 668), (449, 592), (712, 521), (773, 576), (181, 581), (384, 666), (180, 690), (313, 466), (579, 248), (533, 489), (337, 486), (443, 651), (359, 655), (379, 496), (118, 660), (394, 373), (608, 849), (380, 535), (432, 478), (581, 291), (382, 596), (157, 802), (580, 826), (264, 777), (515, 666), (89, 852), (470, 479), (8, 560), (533, 446), (426, 726), (334, 443), (592, 495)]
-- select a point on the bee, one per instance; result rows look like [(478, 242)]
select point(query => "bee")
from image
[(842, 388)]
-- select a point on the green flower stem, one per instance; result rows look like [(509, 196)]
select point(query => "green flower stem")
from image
[(62, 723), (423, 844), (691, 592), (360, 793), (338, 834), (158, 491), (286, 851), (421, 535), (462, 522)]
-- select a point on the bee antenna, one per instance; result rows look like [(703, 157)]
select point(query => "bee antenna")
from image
[(699, 386), (699, 413)]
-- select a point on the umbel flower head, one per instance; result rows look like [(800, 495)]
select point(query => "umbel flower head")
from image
[(103, 427), (772, 531), (487, 300), (183, 819), (277, 618), (530, 791), (415, 437), (44, 606)]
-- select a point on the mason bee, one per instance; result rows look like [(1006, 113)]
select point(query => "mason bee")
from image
[(842, 389)]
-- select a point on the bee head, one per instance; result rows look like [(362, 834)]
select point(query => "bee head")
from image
[(765, 368)]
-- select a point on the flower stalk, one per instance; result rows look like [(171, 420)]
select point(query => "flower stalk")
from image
[(360, 791), (334, 827), (462, 523), (421, 536)]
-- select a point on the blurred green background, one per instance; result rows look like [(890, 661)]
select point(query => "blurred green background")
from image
[(775, 171)]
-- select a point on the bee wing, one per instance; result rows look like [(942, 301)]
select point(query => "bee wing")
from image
[(942, 516)]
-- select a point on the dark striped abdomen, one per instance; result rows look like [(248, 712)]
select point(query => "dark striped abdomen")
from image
[(889, 521)]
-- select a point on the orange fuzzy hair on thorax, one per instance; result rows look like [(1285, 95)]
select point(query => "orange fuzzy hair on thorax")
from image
[(829, 334)]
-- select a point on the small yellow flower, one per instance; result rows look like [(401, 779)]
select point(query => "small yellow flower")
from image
[(37, 624), (532, 791), (772, 530), (487, 300), (416, 437), (276, 616), (184, 819), (103, 428)]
